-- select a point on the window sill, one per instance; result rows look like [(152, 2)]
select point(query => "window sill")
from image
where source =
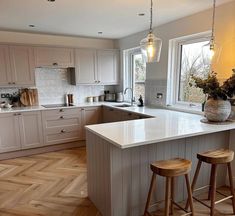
[(183, 108)]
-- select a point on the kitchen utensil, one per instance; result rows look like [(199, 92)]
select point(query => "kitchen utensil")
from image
[(89, 99), (96, 99), (120, 97)]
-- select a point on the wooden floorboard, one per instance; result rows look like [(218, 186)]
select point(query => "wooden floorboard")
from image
[(55, 184)]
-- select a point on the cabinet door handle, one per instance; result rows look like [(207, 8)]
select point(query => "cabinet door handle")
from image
[(129, 114), (63, 131), (55, 64), (9, 83), (61, 110), (61, 117), (98, 81), (13, 83)]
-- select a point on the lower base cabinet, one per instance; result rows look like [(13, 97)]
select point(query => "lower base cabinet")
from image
[(9, 133), (20, 131)]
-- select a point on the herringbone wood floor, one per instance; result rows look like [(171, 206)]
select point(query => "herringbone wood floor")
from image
[(55, 184), (51, 184)]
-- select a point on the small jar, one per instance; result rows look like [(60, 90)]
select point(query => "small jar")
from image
[(101, 98), (89, 99), (95, 99)]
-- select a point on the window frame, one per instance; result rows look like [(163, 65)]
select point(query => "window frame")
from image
[(129, 79), (174, 70)]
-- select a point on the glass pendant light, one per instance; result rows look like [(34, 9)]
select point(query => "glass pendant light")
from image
[(212, 46), (151, 45)]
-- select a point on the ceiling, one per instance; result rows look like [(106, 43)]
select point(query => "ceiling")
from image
[(115, 18)]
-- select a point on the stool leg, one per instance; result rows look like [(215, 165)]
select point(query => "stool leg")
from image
[(194, 180), (153, 182), (190, 195), (213, 189), (231, 185), (172, 194), (167, 196), (209, 192)]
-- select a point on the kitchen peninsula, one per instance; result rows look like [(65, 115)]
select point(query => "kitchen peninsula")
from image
[(119, 155)]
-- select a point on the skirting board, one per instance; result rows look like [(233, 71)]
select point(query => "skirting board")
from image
[(28, 152)]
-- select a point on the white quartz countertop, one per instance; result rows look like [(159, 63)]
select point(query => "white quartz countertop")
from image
[(39, 108), (166, 125)]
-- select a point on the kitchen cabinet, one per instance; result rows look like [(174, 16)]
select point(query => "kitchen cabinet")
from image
[(107, 66), (5, 73), (30, 124), (90, 115), (54, 57), (85, 66), (22, 65), (61, 125), (20, 131), (16, 66), (9, 133), (96, 67)]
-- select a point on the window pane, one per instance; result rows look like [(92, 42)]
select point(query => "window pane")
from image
[(193, 62), (139, 70)]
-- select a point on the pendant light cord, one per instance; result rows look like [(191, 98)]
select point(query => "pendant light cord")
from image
[(213, 21), (151, 17)]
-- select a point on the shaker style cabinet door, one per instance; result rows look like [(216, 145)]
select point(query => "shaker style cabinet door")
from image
[(91, 115), (5, 72), (107, 66), (30, 124), (85, 66), (9, 133), (22, 65), (54, 57)]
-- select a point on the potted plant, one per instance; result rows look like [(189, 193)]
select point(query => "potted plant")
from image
[(217, 107)]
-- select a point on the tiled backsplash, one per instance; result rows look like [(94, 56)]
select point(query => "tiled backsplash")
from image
[(154, 87), (53, 84)]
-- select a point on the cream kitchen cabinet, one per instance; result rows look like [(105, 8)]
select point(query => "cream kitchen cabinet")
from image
[(54, 57), (22, 66), (96, 67), (5, 72), (30, 124), (85, 66), (90, 115), (20, 131), (107, 67), (16, 66), (9, 133), (61, 125)]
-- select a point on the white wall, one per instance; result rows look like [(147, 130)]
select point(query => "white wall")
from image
[(44, 39), (200, 22)]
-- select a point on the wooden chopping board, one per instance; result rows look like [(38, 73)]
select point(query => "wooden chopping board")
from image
[(29, 97)]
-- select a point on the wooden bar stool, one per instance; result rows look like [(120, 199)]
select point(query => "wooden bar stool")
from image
[(216, 157), (170, 169)]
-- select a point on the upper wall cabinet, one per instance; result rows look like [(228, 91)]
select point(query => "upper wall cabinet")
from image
[(22, 65), (54, 57), (5, 72), (85, 66), (107, 66), (96, 67), (16, 66)]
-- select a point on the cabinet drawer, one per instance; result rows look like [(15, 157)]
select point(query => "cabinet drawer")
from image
[(55, 121), (62, 137), (62, 111), (62, 129)]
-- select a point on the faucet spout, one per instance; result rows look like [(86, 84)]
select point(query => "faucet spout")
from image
[(132, 95)]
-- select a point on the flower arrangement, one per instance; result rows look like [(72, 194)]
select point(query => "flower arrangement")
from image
[(212, 87)]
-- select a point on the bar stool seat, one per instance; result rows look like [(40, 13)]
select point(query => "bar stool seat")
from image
[(215, 158), (218, 156), (170, 169)]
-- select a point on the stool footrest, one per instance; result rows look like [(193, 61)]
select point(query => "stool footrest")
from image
[(224, 199), (183, 209)]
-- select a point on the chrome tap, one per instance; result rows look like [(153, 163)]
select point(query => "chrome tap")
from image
[(132, 95)]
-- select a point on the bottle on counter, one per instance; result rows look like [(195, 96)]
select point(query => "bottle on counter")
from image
[(141, 102)]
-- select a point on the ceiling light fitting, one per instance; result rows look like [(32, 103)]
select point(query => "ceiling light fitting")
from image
[(151, 45), (214, 48)]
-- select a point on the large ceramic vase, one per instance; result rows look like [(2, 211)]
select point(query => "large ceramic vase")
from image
[(217, 110)]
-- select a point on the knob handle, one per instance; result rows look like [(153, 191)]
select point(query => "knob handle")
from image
[(63, 131), (55, 64), (61, 117), (61, 110)]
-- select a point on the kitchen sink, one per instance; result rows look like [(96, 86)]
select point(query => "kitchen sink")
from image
[(123, 105)]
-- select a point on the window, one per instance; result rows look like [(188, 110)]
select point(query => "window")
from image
[(188, 59), (135, 72)]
